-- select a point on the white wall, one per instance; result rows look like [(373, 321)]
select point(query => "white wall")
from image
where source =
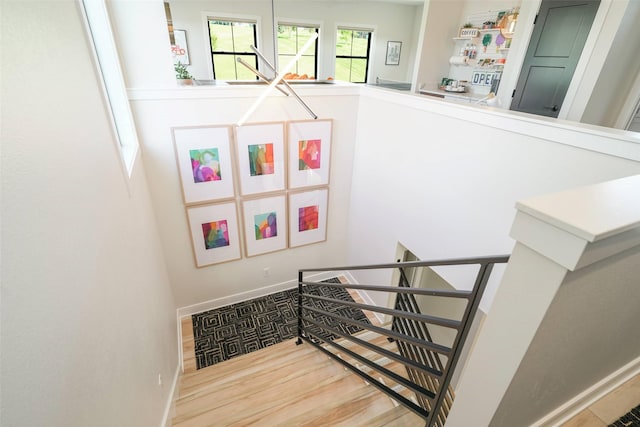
[(87, 313), (442, 179), (389, 21), (225, 106)]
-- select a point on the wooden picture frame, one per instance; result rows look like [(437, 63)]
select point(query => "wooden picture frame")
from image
[(261, 161), (308, 212), (204, 162), (214, 233), (309, 148), (265, 224)]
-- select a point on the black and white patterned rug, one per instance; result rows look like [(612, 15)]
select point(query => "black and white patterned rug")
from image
[(632, 419), (231, 331)]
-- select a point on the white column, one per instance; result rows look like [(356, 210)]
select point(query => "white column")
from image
[(555, 234)]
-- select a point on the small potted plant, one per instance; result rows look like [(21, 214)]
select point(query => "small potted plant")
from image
[(182, 74)]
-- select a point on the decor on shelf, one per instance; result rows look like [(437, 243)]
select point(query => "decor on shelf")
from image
[(265, 225), (309, 152), (214, 233), (393, 53), (182, 74), (468, 32), (308, 217), (180, 50), (260, 150), (204, 162)]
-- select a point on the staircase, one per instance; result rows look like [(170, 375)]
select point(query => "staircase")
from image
[(288, 385), (393, 375)]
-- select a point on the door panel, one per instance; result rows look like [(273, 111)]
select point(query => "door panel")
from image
[(540, 90), (556, 44)]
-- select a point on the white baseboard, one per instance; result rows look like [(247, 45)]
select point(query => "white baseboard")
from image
[(170, 406), (591, 395)]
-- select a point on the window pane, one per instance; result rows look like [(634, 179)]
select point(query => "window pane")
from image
[(225, 67), (287, 40), (304, 34), (221, 36), (243, 72), (343, 44), (358, 70), (306, 65), (343, 69), (360, 43), (243, 36)]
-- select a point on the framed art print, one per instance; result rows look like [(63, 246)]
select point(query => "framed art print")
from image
[(393, 53), (204, 163), (214, 233), (309, 153), (260, 151), (308, 217), (265, 225)]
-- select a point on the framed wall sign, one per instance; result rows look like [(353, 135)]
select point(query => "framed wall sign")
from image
[(265, 225), (393, 53), (260, 152), (204, 163), (309, 147), (180, 50), (308, 217), (214, 233)]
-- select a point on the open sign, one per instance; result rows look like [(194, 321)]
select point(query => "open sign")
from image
[(483, 78)]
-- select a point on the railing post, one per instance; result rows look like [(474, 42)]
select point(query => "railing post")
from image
[(299, 341)]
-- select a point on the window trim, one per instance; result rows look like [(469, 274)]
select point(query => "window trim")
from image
[(105, 56)]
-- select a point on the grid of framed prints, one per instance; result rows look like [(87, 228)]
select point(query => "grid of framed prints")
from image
[(254, 189)]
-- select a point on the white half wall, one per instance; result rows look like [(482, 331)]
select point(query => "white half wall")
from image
[(442, 179)]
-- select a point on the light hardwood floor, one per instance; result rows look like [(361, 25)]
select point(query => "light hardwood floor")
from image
[(611, 407), (196, 385)]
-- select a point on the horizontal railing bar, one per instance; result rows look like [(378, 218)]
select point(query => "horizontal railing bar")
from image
[(496, 259), (396, 289), (386, 332), (417, 388), (434, 320), (387, 390), (380, 350)]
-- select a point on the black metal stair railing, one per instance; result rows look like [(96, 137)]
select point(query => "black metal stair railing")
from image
[(423, 385)]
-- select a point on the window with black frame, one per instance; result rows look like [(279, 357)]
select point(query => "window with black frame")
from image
[(229, 40), (291, 38), (352, 54)]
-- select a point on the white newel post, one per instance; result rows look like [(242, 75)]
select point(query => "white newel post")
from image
[(555, 234)]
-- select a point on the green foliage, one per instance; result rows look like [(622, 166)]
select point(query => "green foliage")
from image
[(181, 71)]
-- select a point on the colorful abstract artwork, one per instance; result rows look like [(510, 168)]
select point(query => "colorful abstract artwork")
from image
[(205, 164), (308, 218), (309, 154), (266, 225), (216, 234), (261, 159)]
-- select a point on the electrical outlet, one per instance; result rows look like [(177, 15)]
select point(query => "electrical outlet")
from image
[(266, 272)]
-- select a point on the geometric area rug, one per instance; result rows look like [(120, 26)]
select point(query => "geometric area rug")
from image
[(227, 332)]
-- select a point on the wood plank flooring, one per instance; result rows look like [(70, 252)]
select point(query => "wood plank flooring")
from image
[(283, 385)]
